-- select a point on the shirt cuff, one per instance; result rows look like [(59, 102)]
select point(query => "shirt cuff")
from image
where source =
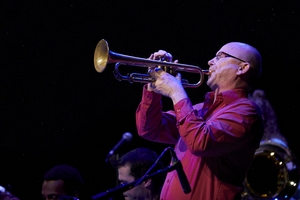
[(149, 96), (183, 108)]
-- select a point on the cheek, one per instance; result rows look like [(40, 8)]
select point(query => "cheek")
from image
[(134, 192), (227, 71), (223, 75)]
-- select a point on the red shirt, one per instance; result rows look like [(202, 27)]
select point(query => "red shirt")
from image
[(215, 141)]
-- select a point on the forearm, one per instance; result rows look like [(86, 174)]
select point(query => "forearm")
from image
[(152, 123)]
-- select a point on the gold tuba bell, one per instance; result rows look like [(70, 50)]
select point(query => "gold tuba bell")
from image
[(102, 57), (274, 173)]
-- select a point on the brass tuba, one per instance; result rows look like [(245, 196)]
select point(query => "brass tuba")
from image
[(274, 173)]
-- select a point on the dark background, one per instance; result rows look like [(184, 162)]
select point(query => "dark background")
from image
[(55, 107)]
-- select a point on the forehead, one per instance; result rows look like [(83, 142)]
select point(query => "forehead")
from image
[(232, 48), (124, 174), (53, 187)]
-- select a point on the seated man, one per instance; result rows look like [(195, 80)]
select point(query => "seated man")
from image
[(132, 166), (62, 182)]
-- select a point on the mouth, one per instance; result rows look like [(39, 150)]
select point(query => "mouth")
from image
[(209, 73), (206, 72)]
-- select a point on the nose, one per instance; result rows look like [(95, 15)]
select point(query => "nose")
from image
[(211, 62)]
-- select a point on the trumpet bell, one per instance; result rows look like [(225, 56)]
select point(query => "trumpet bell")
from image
[(101, 56)]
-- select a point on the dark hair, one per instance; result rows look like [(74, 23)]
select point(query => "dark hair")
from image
[(140, 160), (73, 181)]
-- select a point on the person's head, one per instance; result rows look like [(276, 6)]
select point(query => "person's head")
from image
[(236, 65), (62, 180), (6, 193), (132, 166), (271, 128), (7, 196)]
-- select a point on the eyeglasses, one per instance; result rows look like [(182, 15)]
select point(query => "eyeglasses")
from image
[(222, 54)]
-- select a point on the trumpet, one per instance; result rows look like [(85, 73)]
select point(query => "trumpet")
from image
[(103, 56)]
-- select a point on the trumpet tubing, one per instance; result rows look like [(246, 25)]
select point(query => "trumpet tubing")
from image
[(103, 56)]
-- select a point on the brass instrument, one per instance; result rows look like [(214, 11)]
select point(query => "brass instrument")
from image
[(274, 173), (103, 56)]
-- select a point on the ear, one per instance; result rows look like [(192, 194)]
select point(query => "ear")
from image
[(244, 67), (147, 183)]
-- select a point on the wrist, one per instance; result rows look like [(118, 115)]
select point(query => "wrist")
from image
[(178, 96)]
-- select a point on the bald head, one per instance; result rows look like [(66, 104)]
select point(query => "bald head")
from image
[(247, 53)]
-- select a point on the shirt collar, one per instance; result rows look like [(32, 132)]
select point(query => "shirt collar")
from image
[(228, 96)]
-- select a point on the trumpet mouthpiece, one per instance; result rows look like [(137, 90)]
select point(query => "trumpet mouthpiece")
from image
[(206, 72)]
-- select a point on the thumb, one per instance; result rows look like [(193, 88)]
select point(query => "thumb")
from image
[(178, 76)]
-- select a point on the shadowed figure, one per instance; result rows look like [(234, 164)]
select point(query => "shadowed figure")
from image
[(62, 182), (271, 128)]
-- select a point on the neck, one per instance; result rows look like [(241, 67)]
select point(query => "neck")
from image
[(217, 91)]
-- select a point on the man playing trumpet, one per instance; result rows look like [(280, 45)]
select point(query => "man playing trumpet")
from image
[(216, 139)]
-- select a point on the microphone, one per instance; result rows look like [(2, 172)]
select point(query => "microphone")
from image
[(125, 138), (180, 172)]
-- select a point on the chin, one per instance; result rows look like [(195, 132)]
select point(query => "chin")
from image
[(208, 83)]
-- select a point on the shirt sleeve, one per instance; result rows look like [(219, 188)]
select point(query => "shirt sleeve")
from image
[(226, 130), (151, 123)]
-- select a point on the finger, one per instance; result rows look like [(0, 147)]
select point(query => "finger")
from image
[(149, 87), (159, 54), (151, 56), (158, 72), (178, 76), (157, 69), (150, 71), (152, 85), (168, 57), (155, 73)]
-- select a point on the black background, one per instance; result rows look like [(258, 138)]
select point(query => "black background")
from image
[(55, 107)]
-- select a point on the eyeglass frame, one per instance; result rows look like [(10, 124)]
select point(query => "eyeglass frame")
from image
[(220, 53)]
